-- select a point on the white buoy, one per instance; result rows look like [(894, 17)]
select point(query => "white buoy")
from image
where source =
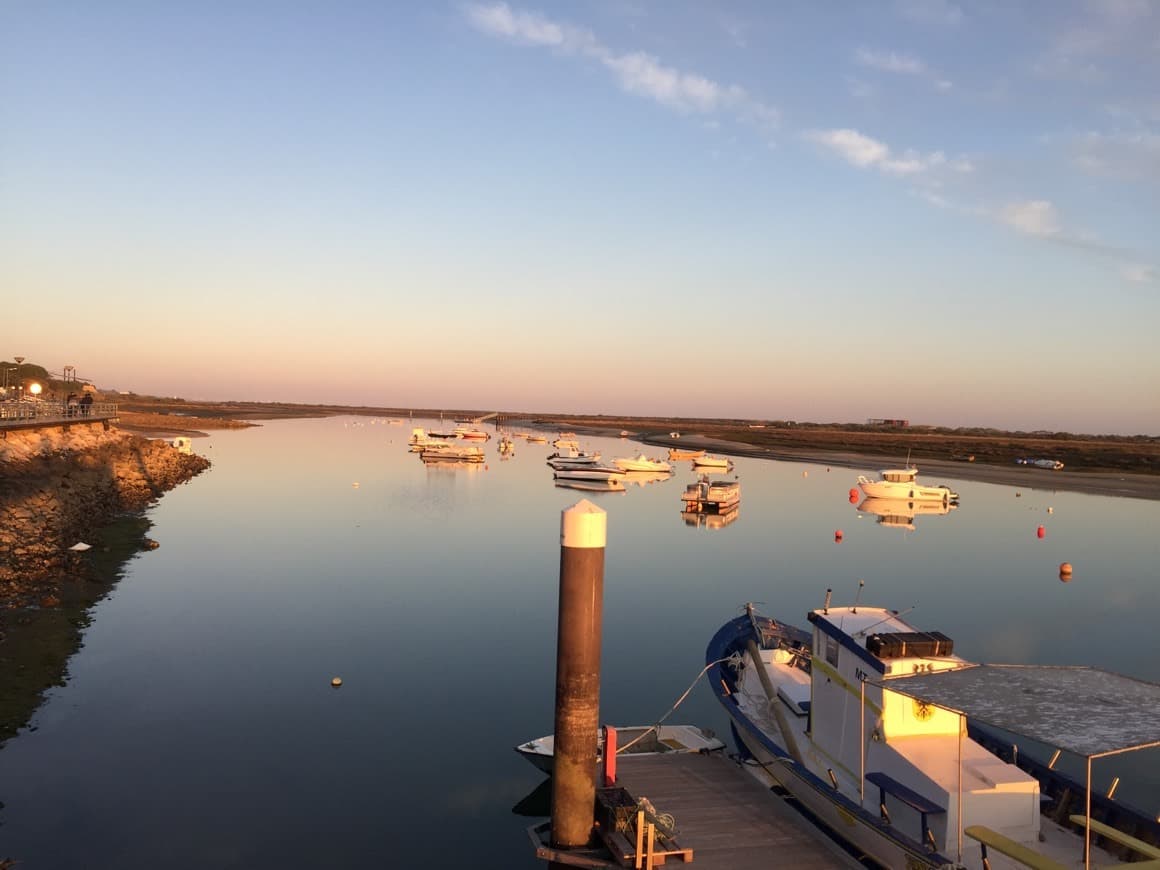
[(336, 682), (355, 484)]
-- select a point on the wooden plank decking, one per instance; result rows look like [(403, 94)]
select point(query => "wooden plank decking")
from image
[(728, 819)]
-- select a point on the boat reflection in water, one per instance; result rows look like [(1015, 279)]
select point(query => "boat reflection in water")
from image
[(590, 485), (700, 520), (644, 478), (900, 513), (451, 465)]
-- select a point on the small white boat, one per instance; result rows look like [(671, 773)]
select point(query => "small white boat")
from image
[(420, 440), (649, 739), (471, 433), (572, 457), (567, 440), (710, 461), (536, 438), (1050, 464), (677, 453), (447, 452), (640, 462), (589, 472), (902, 483)]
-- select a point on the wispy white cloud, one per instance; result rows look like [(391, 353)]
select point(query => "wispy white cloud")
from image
[(890, 61), (869, 153), (636, 72), (1033, 217), (1105, 33), (901, 64)]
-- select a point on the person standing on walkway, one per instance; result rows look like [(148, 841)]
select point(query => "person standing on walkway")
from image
[(86, 404)]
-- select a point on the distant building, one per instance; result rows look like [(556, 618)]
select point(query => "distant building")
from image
[(894, 424)]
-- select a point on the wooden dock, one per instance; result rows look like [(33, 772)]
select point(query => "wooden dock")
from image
[(729, 819), (724, 818)]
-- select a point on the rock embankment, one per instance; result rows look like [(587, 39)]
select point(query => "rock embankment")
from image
[(57, 487)]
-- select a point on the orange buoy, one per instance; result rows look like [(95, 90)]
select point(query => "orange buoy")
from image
[(1065, 572), (805, 474), (853, 497), (838, 536), (1040, 532), (853, 492)]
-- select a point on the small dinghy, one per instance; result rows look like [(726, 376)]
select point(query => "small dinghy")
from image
[(649, 739)]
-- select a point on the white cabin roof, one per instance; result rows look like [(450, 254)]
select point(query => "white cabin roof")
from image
[(1087, 711)]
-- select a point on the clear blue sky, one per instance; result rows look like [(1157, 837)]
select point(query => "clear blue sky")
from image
[(944, 211)]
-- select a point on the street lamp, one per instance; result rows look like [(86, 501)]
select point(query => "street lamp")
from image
[(19, 362)]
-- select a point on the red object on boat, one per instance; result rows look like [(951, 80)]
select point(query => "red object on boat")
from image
[(609, 756)]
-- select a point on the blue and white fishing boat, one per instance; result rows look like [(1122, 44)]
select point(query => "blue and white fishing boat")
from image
[(904, 750)]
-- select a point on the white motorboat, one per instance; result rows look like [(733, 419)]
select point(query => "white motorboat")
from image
[(420, 440), (711, 461), (566, 440), (447, 452), (471, 433), (1049, 464), (902, 483), (589, 472), (537, 438), (572, 457), (640, 462), (630, 740), (676, 454), (889, 739)]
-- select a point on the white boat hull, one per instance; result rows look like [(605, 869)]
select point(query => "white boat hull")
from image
[(904, 491)]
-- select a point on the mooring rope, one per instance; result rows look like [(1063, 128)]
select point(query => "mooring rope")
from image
[(735, 658)]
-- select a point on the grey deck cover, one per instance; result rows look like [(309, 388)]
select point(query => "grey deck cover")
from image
[(1082, 710)]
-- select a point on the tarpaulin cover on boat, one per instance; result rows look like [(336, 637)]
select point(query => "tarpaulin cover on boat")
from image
[(1087, 711)]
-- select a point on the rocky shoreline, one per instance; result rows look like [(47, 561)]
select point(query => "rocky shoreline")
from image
[(58, 487)]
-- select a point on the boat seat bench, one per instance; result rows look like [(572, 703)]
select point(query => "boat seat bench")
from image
[(1146, 849), (1024, 855), (888, 785)]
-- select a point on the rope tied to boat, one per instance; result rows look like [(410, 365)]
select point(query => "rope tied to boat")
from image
[(733, 658)]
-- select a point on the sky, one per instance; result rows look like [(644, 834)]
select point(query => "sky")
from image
[(942, 211)]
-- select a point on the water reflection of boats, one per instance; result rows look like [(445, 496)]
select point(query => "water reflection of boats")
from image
[(900, 513), (644, 478), (701, 520), (451, 465), (612, 485)]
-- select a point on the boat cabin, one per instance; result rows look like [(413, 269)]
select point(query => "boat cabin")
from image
[(899, 475)]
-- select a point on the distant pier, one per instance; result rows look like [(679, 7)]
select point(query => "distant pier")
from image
[(44, 415)]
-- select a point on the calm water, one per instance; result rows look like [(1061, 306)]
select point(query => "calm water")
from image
[(199, 729)]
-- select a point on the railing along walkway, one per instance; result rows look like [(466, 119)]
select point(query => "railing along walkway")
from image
[(28, 415)]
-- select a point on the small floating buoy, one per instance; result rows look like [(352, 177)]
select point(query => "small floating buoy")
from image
[(1040, 532), (838, 536), (355, 484), (853, 497), (853, 492), (1065, 570), (1018, 494), (336, 682), (805, 474), (1051, 510)]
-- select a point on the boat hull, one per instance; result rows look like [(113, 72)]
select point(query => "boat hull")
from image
[(905, 491), (843, 816)]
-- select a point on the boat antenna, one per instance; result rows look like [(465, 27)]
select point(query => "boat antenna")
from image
[(826, 606), (891, 616), (858, 597)]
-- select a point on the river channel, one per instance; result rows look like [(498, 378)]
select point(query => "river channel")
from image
[(198, 727)]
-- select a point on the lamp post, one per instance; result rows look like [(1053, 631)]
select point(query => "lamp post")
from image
[(19, 362)]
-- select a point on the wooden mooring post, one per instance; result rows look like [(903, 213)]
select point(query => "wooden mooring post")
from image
[(583, 533)]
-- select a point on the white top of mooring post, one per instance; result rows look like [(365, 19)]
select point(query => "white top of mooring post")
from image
[(584, 526)]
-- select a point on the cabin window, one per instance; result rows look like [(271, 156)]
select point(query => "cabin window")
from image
[(832, 650)]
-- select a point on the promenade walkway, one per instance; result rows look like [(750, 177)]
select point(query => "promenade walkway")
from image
[(34, 415)]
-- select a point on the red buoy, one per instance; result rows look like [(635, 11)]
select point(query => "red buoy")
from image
[(1040, 532), (853, 497), (853, 493), (838, 536)]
